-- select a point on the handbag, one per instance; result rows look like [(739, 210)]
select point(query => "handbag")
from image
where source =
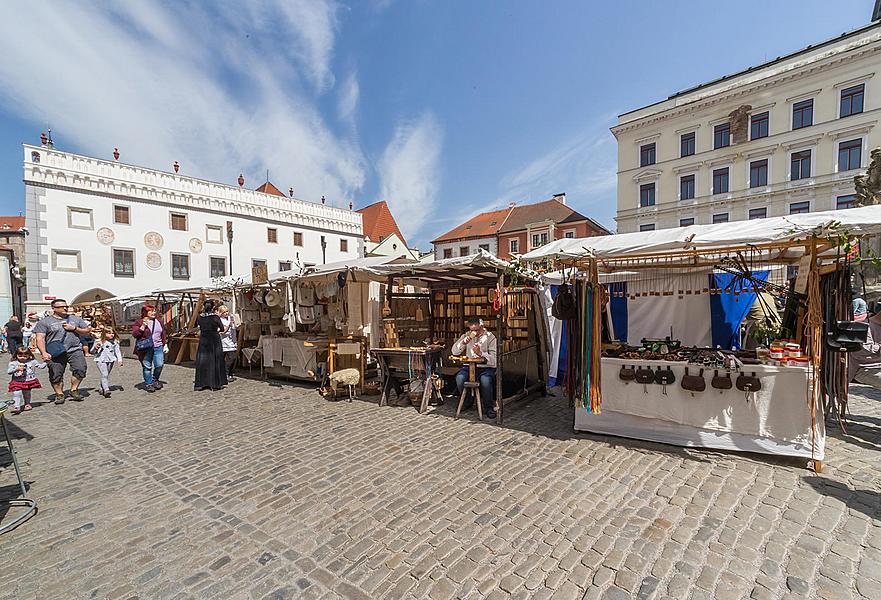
[(144, 344), (847, 336), (694, 383), (626, 374), (564, 307)]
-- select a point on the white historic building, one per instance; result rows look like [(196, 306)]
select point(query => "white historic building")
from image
[(783, 137), (100, 228)]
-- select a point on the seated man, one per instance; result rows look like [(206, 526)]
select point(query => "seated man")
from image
[(478, 342)]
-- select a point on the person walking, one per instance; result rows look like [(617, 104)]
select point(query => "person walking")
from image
[(14, 334), (59, 344), (228, 341), (27, 333), (107, 353), (210, 369), (149, 334), (23, 367)]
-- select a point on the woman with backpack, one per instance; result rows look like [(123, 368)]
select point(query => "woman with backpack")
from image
[(149, 334)]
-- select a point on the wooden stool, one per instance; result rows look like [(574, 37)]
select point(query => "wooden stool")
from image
[(472, 385)]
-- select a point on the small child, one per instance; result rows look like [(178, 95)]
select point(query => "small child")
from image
[(107, 352), (24, 378)]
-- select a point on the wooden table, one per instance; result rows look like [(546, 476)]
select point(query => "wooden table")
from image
[(397, 364), (472, 383)]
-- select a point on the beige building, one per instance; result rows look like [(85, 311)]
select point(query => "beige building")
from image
[(780, 138)]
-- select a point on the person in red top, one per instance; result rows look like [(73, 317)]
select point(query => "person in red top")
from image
[(149, 334)]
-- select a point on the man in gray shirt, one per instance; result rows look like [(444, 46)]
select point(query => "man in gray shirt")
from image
[(59, 335)]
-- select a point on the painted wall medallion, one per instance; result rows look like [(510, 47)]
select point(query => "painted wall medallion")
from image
[(195, 245), (153, 240), (154, 260), (106, 236)]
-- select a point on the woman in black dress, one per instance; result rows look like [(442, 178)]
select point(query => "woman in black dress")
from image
[(210, 368)]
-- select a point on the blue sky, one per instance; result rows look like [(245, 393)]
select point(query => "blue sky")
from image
[(442, 108)]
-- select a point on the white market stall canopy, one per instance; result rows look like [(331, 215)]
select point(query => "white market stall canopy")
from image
[(698, 239), (474, 267), (366, 265)]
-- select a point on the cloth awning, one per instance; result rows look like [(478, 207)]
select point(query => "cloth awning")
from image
[(474, 267)]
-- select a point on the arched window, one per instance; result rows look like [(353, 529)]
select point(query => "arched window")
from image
[(35, 157)]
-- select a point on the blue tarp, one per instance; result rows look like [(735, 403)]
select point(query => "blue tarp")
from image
[(729, 308)]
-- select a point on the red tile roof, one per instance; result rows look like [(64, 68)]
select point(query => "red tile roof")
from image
[(549, 210), (268, 188), (485, 224), (11, 223), (379, 223)]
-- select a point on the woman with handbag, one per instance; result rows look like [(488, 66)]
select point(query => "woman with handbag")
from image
[(149, 334)]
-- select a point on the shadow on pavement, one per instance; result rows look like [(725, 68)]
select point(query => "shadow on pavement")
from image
[(867, 502)]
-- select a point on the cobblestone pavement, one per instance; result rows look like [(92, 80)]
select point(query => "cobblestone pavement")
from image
[(269, 491)]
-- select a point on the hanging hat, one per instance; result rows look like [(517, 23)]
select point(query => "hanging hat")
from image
[(272, 298)]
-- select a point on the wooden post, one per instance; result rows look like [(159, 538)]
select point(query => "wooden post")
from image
[(500, 336)]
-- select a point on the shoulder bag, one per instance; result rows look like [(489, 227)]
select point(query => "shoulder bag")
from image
[(145, 343), (56, 348)]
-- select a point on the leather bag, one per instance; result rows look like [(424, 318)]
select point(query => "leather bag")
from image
[(665, 376), (847, 336), (564, 307), (748, 383), (694, 383), (627, 374), (645, 375), (721, 382)]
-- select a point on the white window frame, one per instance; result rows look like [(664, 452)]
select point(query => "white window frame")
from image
[(792, 101), (268, 229), (725, 165), (792, 201), (171, 256), (67, 252), (639, 227), (844, 137), (514, 246), (751, 159), (302, 239), (809, 178), (225, 265), (211, 227), (679, 186), (186, 220), (134, 262), (693, 220), (840, 87), (81, 210), (125, 206), (289, 263)]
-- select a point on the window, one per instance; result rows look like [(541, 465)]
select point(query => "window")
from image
[(646, 155), (298, 238), (852, 101), (284, 265), (686, 187), (217, 267), (646, 194), (514, 245), (463, 251), (179, 221), (539, 239), (647, 227), (686, 222), (569, 235), (67, 260), (483, 247), (850, 155), (257, 263), (758, 173), (797, 208), (272, 235), (35, 157), (214, 234), (180, 266), (800, 165), (123, 263), (121, 215), (448, 253), (720, 218), (722, 135), (803, 114), (758, 126), (79, 218), (686, 144), (758, 213), (344, 245), (720, 181), (848, 201)]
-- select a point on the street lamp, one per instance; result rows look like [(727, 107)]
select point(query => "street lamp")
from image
[(229, 240), (323, 250)]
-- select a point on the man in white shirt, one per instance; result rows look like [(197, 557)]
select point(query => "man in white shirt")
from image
[(478, 342)]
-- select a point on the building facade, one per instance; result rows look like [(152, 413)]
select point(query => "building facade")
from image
[(382, 236), (100, 228), (477, 233), (784, 137)]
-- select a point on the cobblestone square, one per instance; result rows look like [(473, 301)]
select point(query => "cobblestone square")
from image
[(268, 491)]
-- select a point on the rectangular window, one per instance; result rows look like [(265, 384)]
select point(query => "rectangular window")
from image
[(758, 126), (686, 144), (848, 201), (180, 266), (463, 251), (852, 100), (797, 208), (800, 165), (720, 218), (686, 222), (448, 253), (344, 245), (217, 267), (758, 173), (121, 215), (569, 235), (758, 213), (284, 265), (720, 181), (179, 221), (214, 234), (803, 114), (257, 262), (850, 155), (298, 238), (646, 155), (514, 245), (647, 194), (123, 263), (483, 247), (686, 187), (722, 135), (79, 218), (647, 227), (272, 235)]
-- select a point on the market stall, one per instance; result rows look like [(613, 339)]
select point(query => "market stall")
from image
[(654, 341), (451, 291)]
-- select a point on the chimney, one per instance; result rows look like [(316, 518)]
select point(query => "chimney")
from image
[(561, 198)]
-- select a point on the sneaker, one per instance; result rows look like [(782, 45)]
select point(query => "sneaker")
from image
[(491, 414), (59, 398), (150, 388), (157, 385), (76, 396), (28, 407)]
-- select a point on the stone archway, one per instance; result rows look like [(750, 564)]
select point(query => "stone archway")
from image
[(91, 296)]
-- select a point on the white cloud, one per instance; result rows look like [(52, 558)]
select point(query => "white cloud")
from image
[(409, 172), (347, 104), (205, 84)]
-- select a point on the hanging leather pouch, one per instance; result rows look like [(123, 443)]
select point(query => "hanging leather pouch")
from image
[(664, 376), (748, 383), (721, 382), (627, 374), (694, 383), (847, 336), (644, 375)]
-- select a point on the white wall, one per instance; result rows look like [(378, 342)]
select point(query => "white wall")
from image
[(472, 245)]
